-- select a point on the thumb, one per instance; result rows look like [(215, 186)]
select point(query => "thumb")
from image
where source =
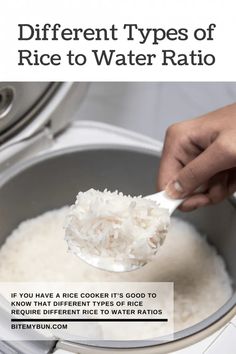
[(198, 171)]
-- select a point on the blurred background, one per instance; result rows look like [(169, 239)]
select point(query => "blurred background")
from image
[(36, 116), (149, 108)]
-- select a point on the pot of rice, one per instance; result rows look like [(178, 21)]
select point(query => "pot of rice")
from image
[(198, 254)]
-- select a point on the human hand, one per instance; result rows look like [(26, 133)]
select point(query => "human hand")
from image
[(199, 159)]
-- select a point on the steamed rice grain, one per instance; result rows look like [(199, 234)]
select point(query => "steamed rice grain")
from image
[(115, 226), (37, 251)]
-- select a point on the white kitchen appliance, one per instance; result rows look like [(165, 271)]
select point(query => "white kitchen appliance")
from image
[(41, 117)]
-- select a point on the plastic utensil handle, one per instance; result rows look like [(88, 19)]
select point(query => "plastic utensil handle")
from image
[(164, 201)]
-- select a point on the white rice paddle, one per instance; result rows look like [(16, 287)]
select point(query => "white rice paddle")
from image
[(109, 264), (164, 201)]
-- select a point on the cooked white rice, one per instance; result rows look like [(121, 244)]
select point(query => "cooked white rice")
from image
[(37, 251), (113, 225)]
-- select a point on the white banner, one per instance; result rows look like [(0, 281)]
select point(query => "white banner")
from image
[(87, 311), (104, 40)]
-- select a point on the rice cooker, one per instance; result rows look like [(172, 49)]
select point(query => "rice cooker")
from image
[(34, 118)]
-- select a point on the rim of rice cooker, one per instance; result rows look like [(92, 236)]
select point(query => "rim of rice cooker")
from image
[(181, 338)]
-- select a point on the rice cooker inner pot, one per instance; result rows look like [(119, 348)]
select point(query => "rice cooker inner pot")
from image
[(53, 180)]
